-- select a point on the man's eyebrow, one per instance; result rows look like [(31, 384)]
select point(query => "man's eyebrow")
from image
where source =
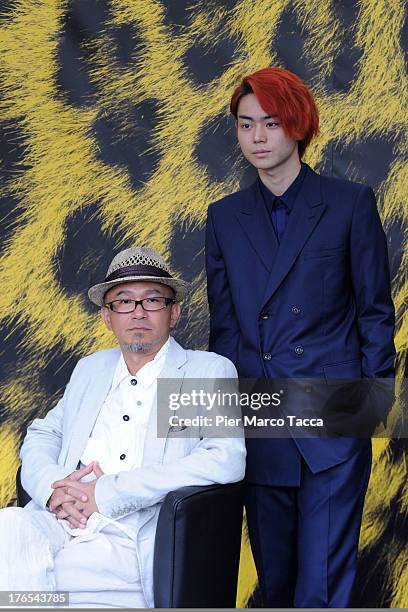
[(152, 291), (252, 119), (146, 292)]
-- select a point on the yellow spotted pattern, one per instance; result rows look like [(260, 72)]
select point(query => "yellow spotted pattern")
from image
[(66, 175)]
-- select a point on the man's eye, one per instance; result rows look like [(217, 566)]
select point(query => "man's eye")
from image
[(272, 124), (125, 301), (152, 300), (245, 125)]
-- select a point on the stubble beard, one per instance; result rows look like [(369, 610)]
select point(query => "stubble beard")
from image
[(140, 347), (137, 347)]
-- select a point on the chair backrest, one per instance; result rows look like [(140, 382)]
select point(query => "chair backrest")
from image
[(197, 547), (22, 496)]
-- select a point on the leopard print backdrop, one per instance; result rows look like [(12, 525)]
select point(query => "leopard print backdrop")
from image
[(115, 131)]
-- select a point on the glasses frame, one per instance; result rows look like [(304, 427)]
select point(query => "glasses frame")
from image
[(136, 303)]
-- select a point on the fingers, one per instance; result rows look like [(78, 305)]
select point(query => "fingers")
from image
[(78, 474), (61, 513), (85, 511), (60, 497), (74, 523), (76, 494), (97, 470), (60, 483), (70, 512), (55, 501)]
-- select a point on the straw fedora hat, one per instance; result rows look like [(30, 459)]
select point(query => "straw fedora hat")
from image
[(138, 264)]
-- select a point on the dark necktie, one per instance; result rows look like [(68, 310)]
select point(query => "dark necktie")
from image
[(279, 217)]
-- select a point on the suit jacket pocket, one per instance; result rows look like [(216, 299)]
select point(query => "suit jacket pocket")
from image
[(343, 370), (177, 429), (325, 252)]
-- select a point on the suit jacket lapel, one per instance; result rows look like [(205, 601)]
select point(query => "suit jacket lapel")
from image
[(306, 214), (172, 371), (100, 383), (255, 222)]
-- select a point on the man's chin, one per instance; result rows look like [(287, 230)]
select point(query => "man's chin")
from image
[(140, 345), (136, 347), (262, 164)]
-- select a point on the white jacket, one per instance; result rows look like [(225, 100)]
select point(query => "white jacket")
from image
[(54, 445)]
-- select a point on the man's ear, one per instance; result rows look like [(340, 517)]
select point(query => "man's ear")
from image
[(175, 314), (105, 314)]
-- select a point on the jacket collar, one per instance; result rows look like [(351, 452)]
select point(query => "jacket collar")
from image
[(278, 259), (306, 214), (173, 373), (94, 395), (257, 225), (310, 191)]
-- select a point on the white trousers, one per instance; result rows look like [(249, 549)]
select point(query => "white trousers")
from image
[(98, 569)]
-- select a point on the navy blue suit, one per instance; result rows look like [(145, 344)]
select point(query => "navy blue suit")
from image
[(317, 304)]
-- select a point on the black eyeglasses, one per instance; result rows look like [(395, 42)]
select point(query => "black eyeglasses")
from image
[(148, 304)]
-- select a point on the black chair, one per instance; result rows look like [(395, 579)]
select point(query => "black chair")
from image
[(197, 546), (22, 496)]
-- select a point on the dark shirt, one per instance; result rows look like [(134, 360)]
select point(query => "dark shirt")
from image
[(279, 207)]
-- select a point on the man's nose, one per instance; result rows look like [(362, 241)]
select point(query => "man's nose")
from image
[(259, 133), (138, 312)]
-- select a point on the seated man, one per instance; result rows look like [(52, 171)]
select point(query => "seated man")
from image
[(95, 467)]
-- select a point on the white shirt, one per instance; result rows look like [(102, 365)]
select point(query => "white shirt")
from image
[(117, 443), (118, 436)]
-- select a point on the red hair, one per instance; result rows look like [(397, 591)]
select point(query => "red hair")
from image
[(284, 94)]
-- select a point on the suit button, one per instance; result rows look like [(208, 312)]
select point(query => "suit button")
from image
[(299, 350), (267, 356), (133, 381), (296, 310), (264, 316)]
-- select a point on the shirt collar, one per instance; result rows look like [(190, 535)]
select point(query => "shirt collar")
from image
[(290, 194), (146, 375)]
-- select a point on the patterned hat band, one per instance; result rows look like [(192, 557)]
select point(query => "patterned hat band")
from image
[(139, 270)]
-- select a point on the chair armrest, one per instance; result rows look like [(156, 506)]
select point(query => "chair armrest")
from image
[(197, 547)]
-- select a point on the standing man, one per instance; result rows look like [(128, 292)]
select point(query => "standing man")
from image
[(299, 286)]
